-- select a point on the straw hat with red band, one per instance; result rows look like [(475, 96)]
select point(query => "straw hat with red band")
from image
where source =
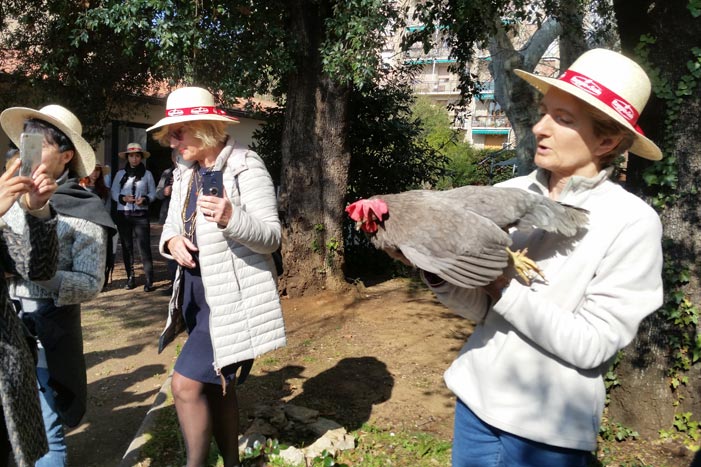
[(190, 104), (611, 83), (12, 121), (134, 148)]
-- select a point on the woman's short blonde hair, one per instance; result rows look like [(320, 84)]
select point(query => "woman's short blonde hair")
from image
[(210, 132), (605, 126)]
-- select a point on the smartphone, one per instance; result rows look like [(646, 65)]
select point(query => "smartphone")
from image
[(213, 183), (30, 152)]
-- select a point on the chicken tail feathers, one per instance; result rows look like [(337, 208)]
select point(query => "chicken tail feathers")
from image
[(555, 217)]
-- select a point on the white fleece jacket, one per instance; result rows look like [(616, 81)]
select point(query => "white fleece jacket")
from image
[(237, 270), (534, 365)]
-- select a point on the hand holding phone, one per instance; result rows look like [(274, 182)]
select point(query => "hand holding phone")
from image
[(213, 184), (30, 146)]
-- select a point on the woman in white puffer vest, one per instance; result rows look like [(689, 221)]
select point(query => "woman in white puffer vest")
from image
[(225, 290)]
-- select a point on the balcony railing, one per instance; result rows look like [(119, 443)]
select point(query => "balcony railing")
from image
[(490, 121), (417, 53), (444, 86)]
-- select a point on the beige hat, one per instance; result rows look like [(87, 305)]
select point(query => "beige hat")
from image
[(105, 169), (611, 83), (132, 148), (189, 104), (13, 119)]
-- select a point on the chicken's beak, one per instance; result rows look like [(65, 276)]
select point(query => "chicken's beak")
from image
[(358, 225)]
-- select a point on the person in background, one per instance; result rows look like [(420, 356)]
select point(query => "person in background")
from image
[(134, 189), (95, 183), (529, 380), (33, 255), (225, 290), (51, 308), (107, 172), (163, 191)]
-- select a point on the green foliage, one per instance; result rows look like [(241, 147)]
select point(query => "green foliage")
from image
[(88, 71), (175, 35), (259, 451), (694, 8), (611, 377), (662, 176), (679, 311), (436, 127), (326, 459), (478, 167), (355, 32), (616, 432), (93, 56), (682, 315), (684, 428), (388, 151), (466, 165)]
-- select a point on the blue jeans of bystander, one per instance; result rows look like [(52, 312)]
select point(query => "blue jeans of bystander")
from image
[(57, 455)]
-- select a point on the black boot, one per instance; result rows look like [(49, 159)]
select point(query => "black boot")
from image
[(131, 283), (149, 282)]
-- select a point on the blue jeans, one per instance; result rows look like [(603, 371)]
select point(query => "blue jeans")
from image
[(476, 444), (57, 456)]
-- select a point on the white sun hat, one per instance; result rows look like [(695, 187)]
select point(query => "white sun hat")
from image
[(611, 83), (13, 119), (189, 104), (132, 148)]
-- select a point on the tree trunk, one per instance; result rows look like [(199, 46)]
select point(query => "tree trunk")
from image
[(572, 41), (645, 401), (315, 161), (516, 97)]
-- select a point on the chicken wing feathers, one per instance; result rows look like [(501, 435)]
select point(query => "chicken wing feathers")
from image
[(439, 236)]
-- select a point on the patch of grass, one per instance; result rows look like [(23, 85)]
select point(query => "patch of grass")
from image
[(165, 444), (377, 447), (270, 361)]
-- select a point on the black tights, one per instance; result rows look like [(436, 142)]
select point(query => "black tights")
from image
[(129, 226), (202, 412)]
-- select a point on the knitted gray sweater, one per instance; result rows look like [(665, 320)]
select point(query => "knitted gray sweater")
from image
[(31, 254)]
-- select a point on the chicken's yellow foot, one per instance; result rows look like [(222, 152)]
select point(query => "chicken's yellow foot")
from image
[(524, 266)]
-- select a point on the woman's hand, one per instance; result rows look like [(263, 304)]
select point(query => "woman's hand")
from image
[(180, 249), (216, 209), (12, 187), (139, 201), (43, 187)]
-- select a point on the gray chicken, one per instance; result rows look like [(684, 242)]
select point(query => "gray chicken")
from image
[(461, 234)]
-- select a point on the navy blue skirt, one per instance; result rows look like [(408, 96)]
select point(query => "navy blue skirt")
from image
[(196, 360)]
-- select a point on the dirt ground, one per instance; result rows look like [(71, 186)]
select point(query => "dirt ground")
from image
[(372, 355), (375, 354)]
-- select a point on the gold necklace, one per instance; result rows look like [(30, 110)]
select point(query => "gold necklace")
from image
[(189, 222)]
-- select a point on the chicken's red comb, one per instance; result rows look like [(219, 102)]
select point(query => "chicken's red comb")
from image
[(361, 208), (355, 210)]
